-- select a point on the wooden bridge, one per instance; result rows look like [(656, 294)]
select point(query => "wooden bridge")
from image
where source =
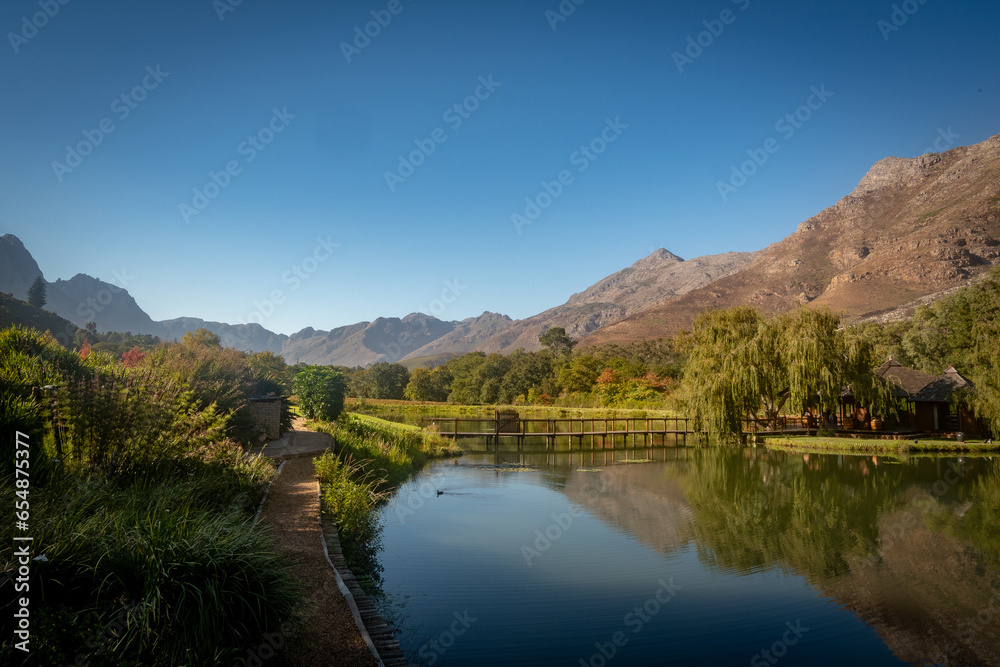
[(507, 423)]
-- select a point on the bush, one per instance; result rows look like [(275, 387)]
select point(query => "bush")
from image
[(320, 392)]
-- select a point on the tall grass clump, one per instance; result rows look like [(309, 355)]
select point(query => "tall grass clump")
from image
[(141, 513)]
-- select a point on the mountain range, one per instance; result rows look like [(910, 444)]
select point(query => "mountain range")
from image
[(911, 229)]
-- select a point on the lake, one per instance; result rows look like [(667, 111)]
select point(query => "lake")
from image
[(702, 555)]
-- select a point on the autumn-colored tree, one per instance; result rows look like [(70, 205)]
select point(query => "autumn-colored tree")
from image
[(133, 357)]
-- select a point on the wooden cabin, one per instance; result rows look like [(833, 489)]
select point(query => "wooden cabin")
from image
[(926, 402)]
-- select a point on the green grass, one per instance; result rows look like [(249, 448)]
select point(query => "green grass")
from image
[(385, 422), (862, 446), (371, 457), (174, 552)]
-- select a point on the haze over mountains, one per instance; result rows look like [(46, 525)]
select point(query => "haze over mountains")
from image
[(912, 228)]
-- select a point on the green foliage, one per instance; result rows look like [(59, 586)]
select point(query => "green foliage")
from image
[(175, 549), (742, 364), (37, 293), (960, 330), (558, 341), (201, 338), (221, 376), (617, 388), (429, 384), (114, 343), (145, 517), (580, 375), (464, 389), (371, 458), (320, 391), (381, 380)]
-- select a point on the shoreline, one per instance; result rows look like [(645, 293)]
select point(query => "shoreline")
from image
[(809, 444)]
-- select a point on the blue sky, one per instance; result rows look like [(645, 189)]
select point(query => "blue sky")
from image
[(587, 112)]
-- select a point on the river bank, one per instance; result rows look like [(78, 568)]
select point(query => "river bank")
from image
[(862, 446)]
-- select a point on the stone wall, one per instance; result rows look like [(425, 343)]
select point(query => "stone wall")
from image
[(267, 414)]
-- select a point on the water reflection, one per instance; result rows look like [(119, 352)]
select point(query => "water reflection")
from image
[(911, 547)]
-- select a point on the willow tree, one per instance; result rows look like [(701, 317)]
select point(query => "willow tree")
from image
[(744, 365)]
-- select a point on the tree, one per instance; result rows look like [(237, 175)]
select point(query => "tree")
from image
[(37, 295), (429, 385), (383, 380), (464, 387), (320, 391), (580, 375), (743, 364), (201, 338), (557, 340)]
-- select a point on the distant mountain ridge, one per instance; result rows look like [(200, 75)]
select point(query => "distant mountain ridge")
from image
[(911, 230)]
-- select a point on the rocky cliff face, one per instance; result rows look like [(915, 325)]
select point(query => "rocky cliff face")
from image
[(18, 268), (911, 228), (83, 299)]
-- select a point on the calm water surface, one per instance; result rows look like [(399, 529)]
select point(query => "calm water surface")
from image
[(704, 556)]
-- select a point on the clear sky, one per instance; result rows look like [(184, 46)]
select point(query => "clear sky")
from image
[(619, 120)]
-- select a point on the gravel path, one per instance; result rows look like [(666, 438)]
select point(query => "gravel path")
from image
[(292, 512)]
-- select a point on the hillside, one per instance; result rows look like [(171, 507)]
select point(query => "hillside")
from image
[(657, 279), (14, 311), (911, 228)]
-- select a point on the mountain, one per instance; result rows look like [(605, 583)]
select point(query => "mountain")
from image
[(18, 268), (245, 337), (385, 339), (657, 279), (83, 299), (911, 228)]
